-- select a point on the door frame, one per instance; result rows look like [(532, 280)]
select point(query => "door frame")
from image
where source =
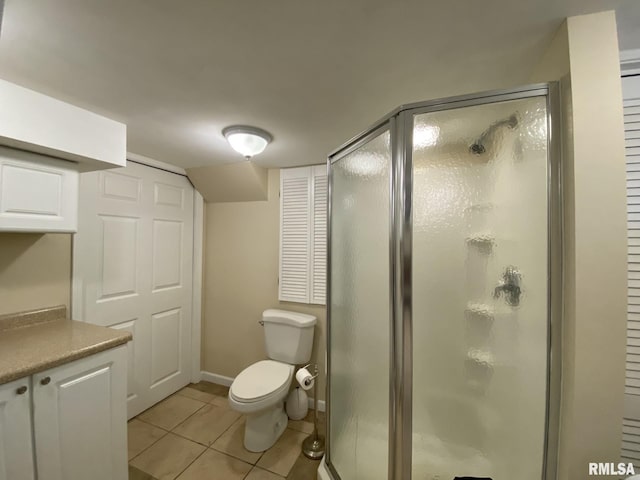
[(77, 310)]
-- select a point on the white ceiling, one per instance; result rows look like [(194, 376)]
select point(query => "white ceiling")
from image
[(628, 18), (312, 72)]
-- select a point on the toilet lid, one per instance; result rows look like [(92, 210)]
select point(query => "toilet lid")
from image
[(260, 380)]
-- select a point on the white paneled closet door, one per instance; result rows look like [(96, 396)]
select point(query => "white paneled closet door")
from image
[(631, 422), (133, 257)]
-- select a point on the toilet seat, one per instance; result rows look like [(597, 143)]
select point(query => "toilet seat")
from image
[(261, 381)]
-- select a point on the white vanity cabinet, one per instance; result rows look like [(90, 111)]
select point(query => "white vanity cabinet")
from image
[(80, 418), (37, 193), (16, 452), (78, 421)]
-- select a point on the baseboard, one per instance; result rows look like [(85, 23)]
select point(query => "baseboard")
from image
[(321, 405), (217, 379), (227, 381)]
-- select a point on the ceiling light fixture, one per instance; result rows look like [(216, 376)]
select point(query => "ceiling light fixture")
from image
[(248, 141)]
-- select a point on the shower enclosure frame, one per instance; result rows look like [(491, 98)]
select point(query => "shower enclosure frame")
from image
[(399, 122)]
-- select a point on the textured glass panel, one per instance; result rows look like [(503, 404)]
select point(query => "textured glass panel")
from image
[(480, 361), (360, 312)]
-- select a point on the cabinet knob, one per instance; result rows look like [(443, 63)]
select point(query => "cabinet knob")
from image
[(45, 381), (21, 390)]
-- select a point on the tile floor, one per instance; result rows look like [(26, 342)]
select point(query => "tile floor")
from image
[(194, 435)]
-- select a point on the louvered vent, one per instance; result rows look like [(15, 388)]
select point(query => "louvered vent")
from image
[(303, 234), (631, 421), (632, 141), (631, 442), (319, 237), (294, 238)]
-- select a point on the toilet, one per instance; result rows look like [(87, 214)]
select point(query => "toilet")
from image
[(260, 389)]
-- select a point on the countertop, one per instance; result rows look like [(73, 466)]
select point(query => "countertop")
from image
[(31, 342)]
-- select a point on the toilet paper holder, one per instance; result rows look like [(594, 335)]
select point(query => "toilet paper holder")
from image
[(315, 370), (313, 445)]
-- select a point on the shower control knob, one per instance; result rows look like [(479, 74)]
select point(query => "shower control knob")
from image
[(510, 286)]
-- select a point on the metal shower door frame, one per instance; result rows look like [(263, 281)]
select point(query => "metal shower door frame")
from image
[(400, 124), (386, 124)]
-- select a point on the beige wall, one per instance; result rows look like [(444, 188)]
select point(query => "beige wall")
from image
[(585, 53), (35, 271), (241, 280)]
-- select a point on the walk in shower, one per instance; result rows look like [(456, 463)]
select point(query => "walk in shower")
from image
[(443, 292)]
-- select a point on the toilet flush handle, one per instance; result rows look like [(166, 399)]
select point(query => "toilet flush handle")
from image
[(261, 322)]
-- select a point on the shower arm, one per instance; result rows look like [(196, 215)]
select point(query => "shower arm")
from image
[(478, 147)]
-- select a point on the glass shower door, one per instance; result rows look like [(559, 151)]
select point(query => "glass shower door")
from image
[(480, 283), (359, 310)]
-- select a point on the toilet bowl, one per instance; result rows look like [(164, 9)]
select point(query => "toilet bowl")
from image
[(260, 389), (259, 392)]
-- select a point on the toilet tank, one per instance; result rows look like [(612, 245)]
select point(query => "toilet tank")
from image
[(288, 336)]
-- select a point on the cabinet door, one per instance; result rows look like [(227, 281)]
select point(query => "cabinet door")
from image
[(37, 193), (16, 452), (80, 419)]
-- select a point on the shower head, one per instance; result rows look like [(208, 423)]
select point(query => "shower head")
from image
[(478, 147)]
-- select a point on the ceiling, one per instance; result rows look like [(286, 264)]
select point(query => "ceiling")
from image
[(313, 73), (628, 18)]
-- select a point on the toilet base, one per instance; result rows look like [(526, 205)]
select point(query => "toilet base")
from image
[(263, 428)]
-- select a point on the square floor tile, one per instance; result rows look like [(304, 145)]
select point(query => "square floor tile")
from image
[(322, 418), (171, 411), (220, 401), (219, 398), (304, 469), (312, 413), (301, 426), (137, 474), (260, 474), (168, 457), (281, 457), (196, 394), (220, 390), (207, 424), (232, 443), (141, 435), (214, 465)]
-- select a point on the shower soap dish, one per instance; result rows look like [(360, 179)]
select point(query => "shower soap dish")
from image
[(481, 240), (481, 357), (480, 311)]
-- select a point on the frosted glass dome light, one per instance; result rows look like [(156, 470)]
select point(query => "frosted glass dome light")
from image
[(247, 141)]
